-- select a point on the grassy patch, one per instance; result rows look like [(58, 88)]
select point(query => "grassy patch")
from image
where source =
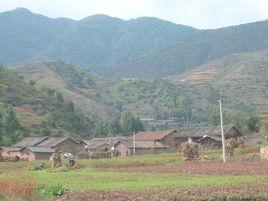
[(138, 161), (88, 180)]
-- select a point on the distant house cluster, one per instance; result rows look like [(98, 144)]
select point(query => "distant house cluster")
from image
[(140, 143), (159, 141), (39, 148), (158, 123)]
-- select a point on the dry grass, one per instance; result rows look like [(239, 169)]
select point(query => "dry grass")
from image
[(17, 186), (252, 149)]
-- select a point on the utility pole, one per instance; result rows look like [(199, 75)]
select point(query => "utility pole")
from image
[(134, 144), (222, 133)]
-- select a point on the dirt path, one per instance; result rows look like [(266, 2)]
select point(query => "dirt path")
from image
[(207, 168)]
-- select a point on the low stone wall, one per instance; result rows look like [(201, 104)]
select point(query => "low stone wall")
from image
[(264, 153)]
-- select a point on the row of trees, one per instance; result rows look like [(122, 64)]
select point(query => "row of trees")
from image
[(125, 125)]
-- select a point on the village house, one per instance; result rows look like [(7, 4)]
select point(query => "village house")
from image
[(11, 152), (36, 153), (63, 145), (102, 144), (163, 137), (30, 142), (210, 141), (126, 148), (194, 134), (204, 135), (40, 148)]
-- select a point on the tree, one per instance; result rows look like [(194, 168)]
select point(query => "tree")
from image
[(11, 130), (186, 108), (214, 119), (129, 123), (253, 123), (101, 129), (114, 127)]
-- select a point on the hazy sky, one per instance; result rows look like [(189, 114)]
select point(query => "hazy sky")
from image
[(197, 13)]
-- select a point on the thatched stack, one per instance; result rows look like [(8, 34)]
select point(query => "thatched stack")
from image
[(190, 151)]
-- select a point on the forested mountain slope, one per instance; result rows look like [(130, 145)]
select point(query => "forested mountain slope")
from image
[(142, 47), (97, 42), (196, 50)]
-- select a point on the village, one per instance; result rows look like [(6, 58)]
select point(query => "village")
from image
[(148, 142)]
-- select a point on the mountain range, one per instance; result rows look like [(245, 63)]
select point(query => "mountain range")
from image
[(142, 47), (97, 42)]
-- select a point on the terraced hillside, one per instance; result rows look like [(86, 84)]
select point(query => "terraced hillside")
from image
[(240, 79)]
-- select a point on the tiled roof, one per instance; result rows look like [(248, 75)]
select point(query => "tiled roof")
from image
[(97, 142), (198, 132), (30, 141), (218, 139), (40, 149), (144, 144), (8, 149), (52, 142), (152, 135)]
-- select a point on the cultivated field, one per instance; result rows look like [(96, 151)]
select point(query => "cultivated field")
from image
[(150, 177)]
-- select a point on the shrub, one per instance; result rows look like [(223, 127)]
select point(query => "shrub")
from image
[(52, 191)]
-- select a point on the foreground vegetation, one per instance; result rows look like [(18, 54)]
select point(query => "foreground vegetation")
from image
[(108, 175)]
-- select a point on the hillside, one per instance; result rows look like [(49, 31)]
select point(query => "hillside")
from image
[(105, 98), (241, 79), (196, 50), (96, 96), (39, 111), (175, 97), (97, 42)]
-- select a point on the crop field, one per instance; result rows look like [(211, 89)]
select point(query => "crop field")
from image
[(149, 177)]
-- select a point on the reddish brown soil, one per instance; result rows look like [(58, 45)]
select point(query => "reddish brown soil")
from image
[(258, 192), (207, 168)]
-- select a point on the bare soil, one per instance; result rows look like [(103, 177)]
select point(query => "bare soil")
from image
[(248, 192), (206, 168)]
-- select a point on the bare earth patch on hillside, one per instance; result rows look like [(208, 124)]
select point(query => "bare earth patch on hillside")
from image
[(207, 168), (247, 191)]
